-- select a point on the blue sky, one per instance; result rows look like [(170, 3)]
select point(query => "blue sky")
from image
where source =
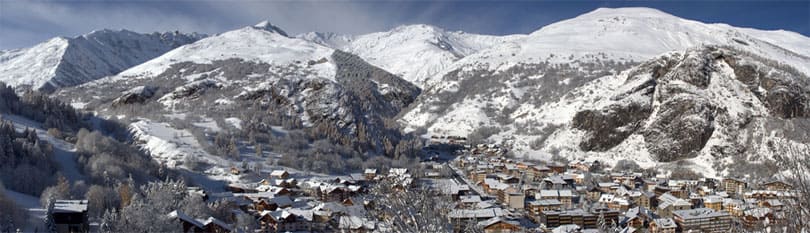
[(24, 23)]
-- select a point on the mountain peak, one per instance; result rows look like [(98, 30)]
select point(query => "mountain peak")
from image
[(628, 12), (266, 25)]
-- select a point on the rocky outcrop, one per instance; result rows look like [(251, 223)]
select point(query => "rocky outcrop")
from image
[(137, 94), (610, 126), (783, 90), (677, 101)]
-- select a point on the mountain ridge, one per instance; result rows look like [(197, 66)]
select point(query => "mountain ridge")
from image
[(62, 61)]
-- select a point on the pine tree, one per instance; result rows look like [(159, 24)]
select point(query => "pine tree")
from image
[(50, 226)]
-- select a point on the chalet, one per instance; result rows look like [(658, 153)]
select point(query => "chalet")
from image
[(775, 205), (334, 193), (713, 202), (213, 225), (777, 186), (500, 225), (70, 216), (508, 179), (615, 202), (626, 178), (283, 221), (524, 165), (668, 203), (769, 195), (515, 199), (575, 216), (280, 174), (370, 174), (539, 206), (584, 165), (702, 220), (559, 181), (461, 218), (639, 198), (539, 171), (565, 197), (469, 202), (188, 223), (557, 167), (734, 207), (637, 217), (593, 193), (757, 216), (663, 225), (607, 187), (734, 186), (478, 176)]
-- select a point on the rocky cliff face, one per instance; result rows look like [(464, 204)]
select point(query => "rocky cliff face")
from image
[(686, 103)]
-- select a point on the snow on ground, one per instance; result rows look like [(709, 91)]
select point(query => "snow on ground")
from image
[(208, 124), (78, 105), (248, 43), (32, 66), (64, 152), (166, 144), (235, 122), (417, 52), (31, 204)]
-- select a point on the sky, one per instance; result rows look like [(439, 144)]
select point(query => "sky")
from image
[(24, 23)]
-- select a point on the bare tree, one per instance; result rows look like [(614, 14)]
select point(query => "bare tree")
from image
[(409, 210), (795, 164)]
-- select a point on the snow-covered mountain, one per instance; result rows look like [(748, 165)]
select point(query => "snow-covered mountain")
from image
[(414, 52), (328, 39), (612, 83), (522, 92), (251, 81), (62, 62)]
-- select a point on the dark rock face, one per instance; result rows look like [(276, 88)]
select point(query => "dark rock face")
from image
[(610, 126), (135, 95), (674, 110), (682, 127), (784, 91)]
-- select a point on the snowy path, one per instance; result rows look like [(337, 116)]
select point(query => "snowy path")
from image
[(30, 204), (64, 152)]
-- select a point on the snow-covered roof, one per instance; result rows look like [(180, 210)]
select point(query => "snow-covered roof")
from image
[(183, 217), (278, 172), (665, 223), (477, 213), (69, 206), (212, 220), (495, 220), (699, 213)]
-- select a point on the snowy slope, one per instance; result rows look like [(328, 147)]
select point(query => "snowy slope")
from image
[(328, 39), (63, 152), (634, 34), (261, 43), (62, 62), (414, 52), (255, 78), (525, 92), (623, 35)]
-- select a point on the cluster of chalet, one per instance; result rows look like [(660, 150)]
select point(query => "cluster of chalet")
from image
[(286, 203), (509, 195)]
